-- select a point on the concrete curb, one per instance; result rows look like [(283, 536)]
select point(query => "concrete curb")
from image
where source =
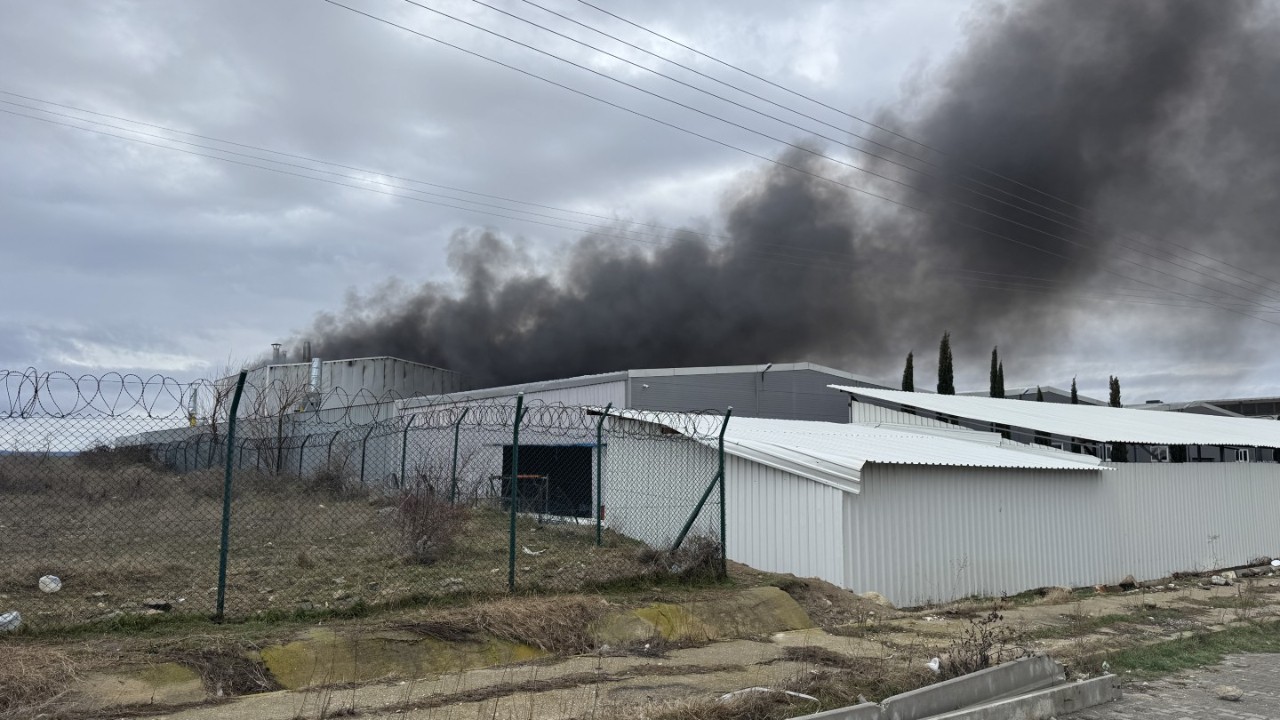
[(984, 686), (1045, 704), (994, 687)]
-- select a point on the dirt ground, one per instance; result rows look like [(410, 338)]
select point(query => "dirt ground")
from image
[(178, 671)]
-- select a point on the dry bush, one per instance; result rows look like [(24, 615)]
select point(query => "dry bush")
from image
[(985, 643), (553, 624), (429, 526), (31, 679), (227, 671), (696, 560), (107, 457)]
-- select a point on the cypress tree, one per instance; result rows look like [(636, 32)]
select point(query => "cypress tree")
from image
[(1075, 395), (1039, 394), (1000, 378), (1115, 392), (909, 374), (946, 373), (996, 382)]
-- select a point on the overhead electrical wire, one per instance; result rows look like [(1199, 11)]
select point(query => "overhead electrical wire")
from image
[(846, 268), (906, 205), (1238, 282), (1269, 281)]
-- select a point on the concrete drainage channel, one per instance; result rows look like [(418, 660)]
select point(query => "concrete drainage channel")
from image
[(1029, 689)]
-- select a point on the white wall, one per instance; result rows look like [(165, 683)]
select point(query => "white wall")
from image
[(779, 522), (919, 534)]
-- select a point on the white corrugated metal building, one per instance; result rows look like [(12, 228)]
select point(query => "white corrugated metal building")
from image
[(935, 513), (1083, 428)]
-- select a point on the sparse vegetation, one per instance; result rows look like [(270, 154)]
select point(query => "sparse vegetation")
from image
[(31, 679), (1199, 650)]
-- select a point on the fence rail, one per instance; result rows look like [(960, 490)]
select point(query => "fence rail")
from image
[(144, 502)]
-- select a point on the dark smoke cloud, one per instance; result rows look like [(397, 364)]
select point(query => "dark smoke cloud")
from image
[(1156, 117)]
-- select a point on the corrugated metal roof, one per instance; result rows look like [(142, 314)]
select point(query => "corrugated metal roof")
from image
[(1105, 424), (834, 453)]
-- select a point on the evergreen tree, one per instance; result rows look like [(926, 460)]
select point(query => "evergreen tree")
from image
[(995, 372), (1115, 392), (1039, 394), (946, 372), (909, 373), (1000, 378), (1075, 395)]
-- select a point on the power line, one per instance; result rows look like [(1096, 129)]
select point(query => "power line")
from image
[(588, 226), (1269, 282), (1227, 277), (346, 167), (758, 155), (777, 258)]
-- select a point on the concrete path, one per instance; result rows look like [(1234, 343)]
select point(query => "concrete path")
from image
[(1191, 696)]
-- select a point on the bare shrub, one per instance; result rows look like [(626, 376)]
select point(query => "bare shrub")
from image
[(429, 526), (986, 642), (106, 456), (696, 560)]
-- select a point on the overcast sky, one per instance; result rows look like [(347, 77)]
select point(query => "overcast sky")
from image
[(123, 256)]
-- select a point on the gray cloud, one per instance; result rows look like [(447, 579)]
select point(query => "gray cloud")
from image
[(1115, 109)]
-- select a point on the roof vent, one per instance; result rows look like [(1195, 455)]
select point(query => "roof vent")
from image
[(1155, 402)]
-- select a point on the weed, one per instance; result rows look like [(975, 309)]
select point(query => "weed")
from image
[(986, 642), (429, 526)]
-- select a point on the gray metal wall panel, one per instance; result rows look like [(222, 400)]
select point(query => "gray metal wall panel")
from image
[(782, 394), (935, 534)]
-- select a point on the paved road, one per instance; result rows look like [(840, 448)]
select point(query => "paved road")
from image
[(1190, 696)]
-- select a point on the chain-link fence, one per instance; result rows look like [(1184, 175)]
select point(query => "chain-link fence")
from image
[(122, 488)]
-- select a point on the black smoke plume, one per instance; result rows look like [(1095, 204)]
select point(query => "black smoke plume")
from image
[(1144, 127)]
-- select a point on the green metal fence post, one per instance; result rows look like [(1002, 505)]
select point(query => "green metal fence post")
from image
[(719, 478), (515, 494), (724, 541), (600, 475), (226, 502), (453, 473), (328, 456), (364, 445), (302, 454), (404, 450)]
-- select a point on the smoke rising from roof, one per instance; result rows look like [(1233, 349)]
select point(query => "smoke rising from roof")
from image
[(1156, 117)]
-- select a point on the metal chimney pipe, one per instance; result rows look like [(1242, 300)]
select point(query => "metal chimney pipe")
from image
[(275, 352), (315, 375)]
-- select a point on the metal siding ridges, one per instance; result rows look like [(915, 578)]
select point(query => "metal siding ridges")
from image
[(1022, 529), (1106, 424)]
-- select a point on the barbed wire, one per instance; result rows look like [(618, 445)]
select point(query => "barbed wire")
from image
[(296, 409)]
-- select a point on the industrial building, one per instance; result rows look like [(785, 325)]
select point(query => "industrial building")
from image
[(319, 384), (1146, 436), (792, 391), (935, 512)]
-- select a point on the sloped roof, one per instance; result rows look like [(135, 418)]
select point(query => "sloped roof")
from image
[(835, 453), (1106, 424)]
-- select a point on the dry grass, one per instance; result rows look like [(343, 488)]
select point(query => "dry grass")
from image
[(858, 678), (31, 678), (558, 625), (118, 534)]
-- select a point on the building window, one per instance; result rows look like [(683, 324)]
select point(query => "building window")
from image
[(1242, 454), (1160, 454)]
